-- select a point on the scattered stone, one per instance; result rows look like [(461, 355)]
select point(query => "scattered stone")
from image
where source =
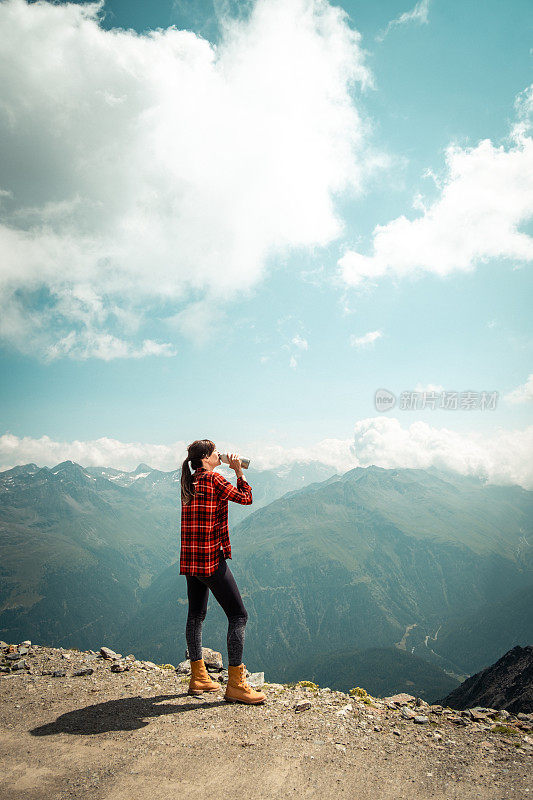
[(86, 671), (303, 705), (119, 667), (396, 732), (458, 721), (106, 652), (407, 713), (58, 673), (421, 719), (478, 716), (20, 665), (212, 658), (342, 712), (26, 643), (14, 656), (504, 714), (184, 667), (401, 699), (256, 678), (23, 650), (3, 645)]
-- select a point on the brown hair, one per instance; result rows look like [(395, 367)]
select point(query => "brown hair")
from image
[(201, 448)]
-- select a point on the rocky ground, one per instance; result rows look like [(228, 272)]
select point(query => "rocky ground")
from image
[(96, 725)]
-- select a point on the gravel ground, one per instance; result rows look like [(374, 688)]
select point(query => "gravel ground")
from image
[(137, 734)]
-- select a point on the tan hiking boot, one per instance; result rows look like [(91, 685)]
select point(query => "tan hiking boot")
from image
[(200, 680), (238, 691)]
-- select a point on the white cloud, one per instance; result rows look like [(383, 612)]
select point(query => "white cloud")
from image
[(105, 452), (503, 458), (150, 174), (365, 340), (522, 394), (91, 344), (485, 197), (418, 14), (300, 342)]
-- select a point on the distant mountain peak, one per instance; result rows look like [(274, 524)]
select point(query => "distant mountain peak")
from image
[(142, 468)]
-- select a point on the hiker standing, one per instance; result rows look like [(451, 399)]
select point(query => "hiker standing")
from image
[(205, 546)]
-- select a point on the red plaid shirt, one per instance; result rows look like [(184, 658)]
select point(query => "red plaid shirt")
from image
[(204, 521)]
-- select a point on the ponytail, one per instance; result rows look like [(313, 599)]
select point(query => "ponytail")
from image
[(201, 448)]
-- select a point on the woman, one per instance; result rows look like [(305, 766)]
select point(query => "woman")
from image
[(205, 546)]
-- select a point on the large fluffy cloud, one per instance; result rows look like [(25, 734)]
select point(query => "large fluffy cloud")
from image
[(502, 458), (147, 174), (484, 199)]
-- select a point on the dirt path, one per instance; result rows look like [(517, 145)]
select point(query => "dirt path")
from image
[(137, 734)]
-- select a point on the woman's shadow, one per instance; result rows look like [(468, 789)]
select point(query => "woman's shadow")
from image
[(126, 714)]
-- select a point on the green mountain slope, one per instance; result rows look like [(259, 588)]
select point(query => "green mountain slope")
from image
[(78, 545), (358, 561), (381, 671)]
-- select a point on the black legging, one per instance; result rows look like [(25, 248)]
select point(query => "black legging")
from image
[(222, 584)]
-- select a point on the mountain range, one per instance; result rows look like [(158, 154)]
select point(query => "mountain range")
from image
[(427, 566)]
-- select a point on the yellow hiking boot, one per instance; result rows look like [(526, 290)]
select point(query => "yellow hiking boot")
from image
[(200, 680), (238, 691)]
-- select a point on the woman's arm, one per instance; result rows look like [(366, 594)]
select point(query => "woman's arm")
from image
[(226, 491)]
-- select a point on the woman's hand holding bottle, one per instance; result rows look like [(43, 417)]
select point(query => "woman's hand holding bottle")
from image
[(235, 463)]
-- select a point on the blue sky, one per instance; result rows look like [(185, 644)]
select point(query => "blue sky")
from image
[(277, 340)]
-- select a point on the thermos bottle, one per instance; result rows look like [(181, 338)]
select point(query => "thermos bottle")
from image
[(245, 462)]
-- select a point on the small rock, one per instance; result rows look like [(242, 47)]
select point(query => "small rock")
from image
[(119, 667), (303, 705), (20, 665), (12, 656), (342, 712), (23, 650), (421, 719), (476, 715), (407, 713), (183, 668), (400, 699), (396, 732), (212, 658), (26, 643), (256, 678), (106, 652), (58, 673), (3, 645), (86, 671)]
